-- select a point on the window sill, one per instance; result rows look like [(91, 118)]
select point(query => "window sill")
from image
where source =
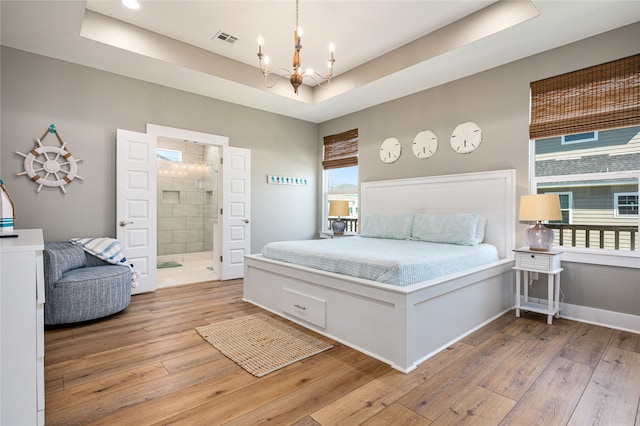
[(624, 259)]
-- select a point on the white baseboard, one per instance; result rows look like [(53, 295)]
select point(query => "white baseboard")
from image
[(611, 319)]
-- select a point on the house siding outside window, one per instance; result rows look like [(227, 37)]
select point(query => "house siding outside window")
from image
[(587, 176)]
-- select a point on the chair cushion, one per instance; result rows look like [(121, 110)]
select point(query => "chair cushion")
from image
[(106, 275)]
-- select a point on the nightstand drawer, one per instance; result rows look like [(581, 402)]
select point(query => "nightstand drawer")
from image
[(538, 262), (304, 306)]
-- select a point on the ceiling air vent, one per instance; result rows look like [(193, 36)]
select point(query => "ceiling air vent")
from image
[(223, 37)]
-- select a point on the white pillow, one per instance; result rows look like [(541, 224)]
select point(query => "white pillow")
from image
[(396, 227), (458, 228), (482, 226)]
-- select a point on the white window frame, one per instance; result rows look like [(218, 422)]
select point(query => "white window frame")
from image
[(563, 141), (325, 201), (595, 256), (570, 208), (616, 198)]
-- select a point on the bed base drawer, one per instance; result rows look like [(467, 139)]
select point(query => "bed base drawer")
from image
[(307, 308)]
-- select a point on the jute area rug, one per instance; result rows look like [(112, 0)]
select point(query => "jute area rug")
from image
[(261, 344)]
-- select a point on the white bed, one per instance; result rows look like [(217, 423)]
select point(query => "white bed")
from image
[(402, 326)]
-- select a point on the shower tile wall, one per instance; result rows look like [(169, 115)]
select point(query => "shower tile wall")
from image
[(187, 199)]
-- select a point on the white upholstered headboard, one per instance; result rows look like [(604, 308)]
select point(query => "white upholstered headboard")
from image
[(492, 194)]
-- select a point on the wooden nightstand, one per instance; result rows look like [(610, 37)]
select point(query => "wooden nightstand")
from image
[(546, 262)]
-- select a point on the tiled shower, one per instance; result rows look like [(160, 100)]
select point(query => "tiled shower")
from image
[(187, 211)]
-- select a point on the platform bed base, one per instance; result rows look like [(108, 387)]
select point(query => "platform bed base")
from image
[(399, 326), (402, 326)]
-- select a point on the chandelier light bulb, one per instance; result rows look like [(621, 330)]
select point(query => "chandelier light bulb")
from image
[(309, 71), (332, 48)]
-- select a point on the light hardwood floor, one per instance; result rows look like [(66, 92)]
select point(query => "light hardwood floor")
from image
[(147, 365)]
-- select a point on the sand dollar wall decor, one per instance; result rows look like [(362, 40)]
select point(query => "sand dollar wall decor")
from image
[(51, 166)]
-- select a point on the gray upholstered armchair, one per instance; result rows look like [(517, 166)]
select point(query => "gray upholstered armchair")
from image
[(80, 287)]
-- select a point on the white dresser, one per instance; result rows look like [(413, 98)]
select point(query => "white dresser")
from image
[(22, 329)]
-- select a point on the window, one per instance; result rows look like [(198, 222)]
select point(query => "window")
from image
[(585, 133), (626, 204), (579, 138), (597, 186), (566, 201), (342, 184), (340, 166), (169, 154)]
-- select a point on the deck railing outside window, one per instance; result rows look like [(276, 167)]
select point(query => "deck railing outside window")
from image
[(596, 236), (351, 224)]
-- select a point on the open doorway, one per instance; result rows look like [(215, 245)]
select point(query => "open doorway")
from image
[(136, 206), (187, 206)]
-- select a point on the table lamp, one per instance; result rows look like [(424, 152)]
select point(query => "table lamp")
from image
[(338, 208), (536, 208)]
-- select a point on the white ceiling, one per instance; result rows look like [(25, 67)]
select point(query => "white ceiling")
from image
[(384, 49), (361, 30)]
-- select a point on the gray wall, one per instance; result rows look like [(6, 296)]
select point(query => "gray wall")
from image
[(498, 101), (87, 106)]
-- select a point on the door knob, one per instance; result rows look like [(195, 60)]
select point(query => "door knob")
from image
[(124, 223), (246, 221)]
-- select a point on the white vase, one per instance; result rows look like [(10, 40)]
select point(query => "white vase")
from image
[(7, 210)]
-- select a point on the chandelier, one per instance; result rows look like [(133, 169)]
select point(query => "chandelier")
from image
[(296, 76)]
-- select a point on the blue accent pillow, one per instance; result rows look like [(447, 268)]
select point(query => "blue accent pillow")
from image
[(452, 229), (396, 227)]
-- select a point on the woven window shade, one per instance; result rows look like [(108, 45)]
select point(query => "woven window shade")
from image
[(605, 96), (341, 150)]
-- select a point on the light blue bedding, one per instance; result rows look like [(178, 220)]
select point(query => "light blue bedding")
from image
[(395, 262)]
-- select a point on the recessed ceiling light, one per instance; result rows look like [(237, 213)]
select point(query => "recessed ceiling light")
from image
[(131, 4)]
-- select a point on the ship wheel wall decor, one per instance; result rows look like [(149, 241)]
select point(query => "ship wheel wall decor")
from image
[(51, 166)]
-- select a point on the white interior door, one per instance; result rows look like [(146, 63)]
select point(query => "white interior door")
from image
[(235, 213), (136, 203)]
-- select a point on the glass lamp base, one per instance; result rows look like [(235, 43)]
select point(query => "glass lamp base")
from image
[(338, 226), (539, 237)]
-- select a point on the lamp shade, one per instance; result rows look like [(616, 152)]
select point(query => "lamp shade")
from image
[(338, 208), (539, 207)]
